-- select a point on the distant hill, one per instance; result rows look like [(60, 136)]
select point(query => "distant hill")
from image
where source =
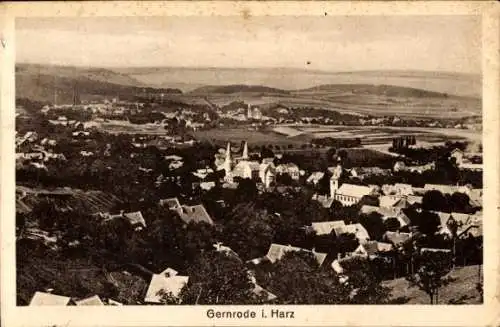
[(190, 78), (363, 89), (58, 84), (229, 89)]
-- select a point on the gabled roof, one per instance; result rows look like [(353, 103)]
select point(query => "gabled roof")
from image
[(277, 251), (172, 203), (135, 218), (353, 190), (196, 213), (160, 283), (326, 227), (42, 299), (93, 300)]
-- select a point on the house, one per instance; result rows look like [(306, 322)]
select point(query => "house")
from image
[(315, 177), (247, 169), (173, 157), (168, 285), (386, 213), (424, 250), (136, 219), (277, 251), (169, 272), (85, 153), (171, 203), (290, 169), (175, 165), (267, 174), (358, 230), (43, 299), (93, 300), (326, 227), (196, 214), (207, 186), (388, 201), (396, 238), (348, 194), (372, 249), (203, 172), (458, 155), (80, 133)]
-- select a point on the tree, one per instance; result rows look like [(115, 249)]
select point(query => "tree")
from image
[(296, 279), (434, 200), (373, 224), (215, 278), (364, 282), (392, 224), (431, 273), (248, 230)]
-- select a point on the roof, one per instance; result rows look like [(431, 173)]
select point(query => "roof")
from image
[(172, 203), (316, 176), (353, 190), (135, 218), (159, 283), (93, 300), (196, 213), (41, 299), (277, 251), (325, 201), (169, 272), (374, 247), (412, 199), (448, 189), (260, 291), (326, 227), (388, 201), (396, 238), (434, 250)]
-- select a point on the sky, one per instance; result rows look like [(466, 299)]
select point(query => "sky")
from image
[(330, 43)]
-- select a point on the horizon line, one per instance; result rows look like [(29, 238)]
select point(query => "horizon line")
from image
[(314, 70)]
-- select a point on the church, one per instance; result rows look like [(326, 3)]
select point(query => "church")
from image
[(243, 167), (347, 194)]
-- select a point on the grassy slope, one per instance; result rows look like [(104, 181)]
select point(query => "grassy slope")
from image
[(463, 287)]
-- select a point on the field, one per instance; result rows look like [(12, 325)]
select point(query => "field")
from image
[(371, 135), (405, 94), (462, 290), (254, 138)]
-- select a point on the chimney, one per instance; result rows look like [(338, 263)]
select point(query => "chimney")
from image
[(339, 256)]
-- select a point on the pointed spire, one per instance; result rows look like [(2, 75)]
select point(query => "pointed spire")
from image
[(245, 151), (227, 162)]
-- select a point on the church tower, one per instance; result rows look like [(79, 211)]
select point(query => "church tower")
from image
[(334, 180), (228, 164), (245, 152)]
